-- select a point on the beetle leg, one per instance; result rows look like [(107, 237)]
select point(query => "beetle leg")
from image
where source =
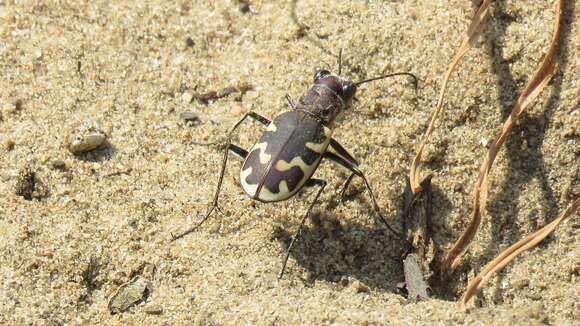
[(261, 119), (291, 101), (345, 186), (236, 150), (346, 155), (309, 183), (240, 152), (356, 171)]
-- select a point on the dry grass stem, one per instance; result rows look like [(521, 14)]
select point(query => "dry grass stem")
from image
[(474, 30), (533, 88), (512, 252)]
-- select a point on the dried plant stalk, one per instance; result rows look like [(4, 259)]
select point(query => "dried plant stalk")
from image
[(533, 88), (473, 32), (512, 252)]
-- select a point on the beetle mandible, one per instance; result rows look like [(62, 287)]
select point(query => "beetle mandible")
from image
[(288, 153)]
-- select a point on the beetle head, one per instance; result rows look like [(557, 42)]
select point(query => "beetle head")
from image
[(325, 105), (343, 87)]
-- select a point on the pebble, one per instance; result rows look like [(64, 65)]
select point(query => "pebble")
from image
[(244, 6), (189, 117), (9, 108), (483, 142), (129, 294), (238, 111), (189, 42), (58, 165), (360, 287), (187, 97), (522, 283), (85, 139), (26, 184), (9, 145), (153, 309)]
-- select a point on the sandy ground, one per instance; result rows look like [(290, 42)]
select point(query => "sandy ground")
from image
[(131, 68)]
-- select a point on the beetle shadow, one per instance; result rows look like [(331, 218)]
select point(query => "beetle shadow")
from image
[(332, 251), (525, 159)]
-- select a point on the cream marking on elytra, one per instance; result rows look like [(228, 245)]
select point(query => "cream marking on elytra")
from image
[(264, 157), (320, 148), (250, 189), (282, 165), (272, 127), (267, 195)]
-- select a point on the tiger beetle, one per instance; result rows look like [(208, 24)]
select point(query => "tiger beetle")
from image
[(288, 153)]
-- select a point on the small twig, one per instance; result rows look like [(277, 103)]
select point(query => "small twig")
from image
[(474, 30), (533, 88), (512, 252), (113, 174)]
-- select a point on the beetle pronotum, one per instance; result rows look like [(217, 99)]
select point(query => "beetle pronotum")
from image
[(288, 153)]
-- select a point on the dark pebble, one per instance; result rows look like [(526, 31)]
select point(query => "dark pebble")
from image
[(189, 117)]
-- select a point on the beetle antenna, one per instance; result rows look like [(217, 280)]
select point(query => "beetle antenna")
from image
[(415, 82), (339, 61)]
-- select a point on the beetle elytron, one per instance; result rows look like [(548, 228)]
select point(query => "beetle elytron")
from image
[(288, 153)]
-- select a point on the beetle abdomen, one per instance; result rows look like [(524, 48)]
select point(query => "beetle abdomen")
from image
[(285, 157)]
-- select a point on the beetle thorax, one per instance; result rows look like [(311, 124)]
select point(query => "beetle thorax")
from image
[(327, 97)]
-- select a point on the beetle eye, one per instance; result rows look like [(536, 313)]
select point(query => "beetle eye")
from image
[(321, 73), (349, 89)]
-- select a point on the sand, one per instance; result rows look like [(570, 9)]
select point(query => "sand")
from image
[(131, 68)]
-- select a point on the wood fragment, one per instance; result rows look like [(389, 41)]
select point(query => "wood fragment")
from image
[(211, 96), (129, 294), (414, 279), (416, 221)]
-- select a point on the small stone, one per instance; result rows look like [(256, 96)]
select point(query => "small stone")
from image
[(360, 287), (37, 53), (522, 283), (149, 271), (153, 309), (187, 97), (9, 108), (244, 6), (26, 184), (46, 253), (163, 158), (190, 42), (238, 111), (189, 118), (129, 294), (58, 165), (207, 98), (251, 95), (228, 91), (534, 296), (9, 145), (483, 142), (85, 139)]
